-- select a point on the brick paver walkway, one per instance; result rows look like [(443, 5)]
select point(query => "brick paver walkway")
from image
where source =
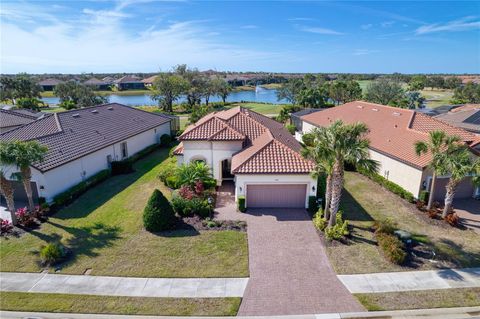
[(289, 269)]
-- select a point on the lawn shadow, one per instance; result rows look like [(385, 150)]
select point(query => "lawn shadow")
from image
[(456, 255), (358, 218), (106, 190), (182, 229)]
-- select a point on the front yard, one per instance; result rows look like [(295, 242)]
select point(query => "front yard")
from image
[(104, 231), (364, 201)]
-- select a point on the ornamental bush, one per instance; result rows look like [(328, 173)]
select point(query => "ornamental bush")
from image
[(241, 204), (165, 140), (51, 254), (194, 206), (319, 220), (158, 215), (392, 247)]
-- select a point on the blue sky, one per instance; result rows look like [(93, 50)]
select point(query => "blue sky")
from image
[(286, 36)]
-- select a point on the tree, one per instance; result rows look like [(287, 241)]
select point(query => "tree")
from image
[(384, 91), (23, 154), (75, 95), (437, 143), (20, 86), (199, 112), (30, 103), (435, 81), (168, 87), (411, 100), (222, 88), (158, 215), (345, 91), (417, 82), (197, 84), (469, 93), (315, 97), (453, 82), (7, 191), (290, 90), (344, 143)]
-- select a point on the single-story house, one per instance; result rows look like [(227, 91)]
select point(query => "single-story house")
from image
[(49, 84), (466, 116), (254, 151), (129, 82), (83, 142), (97, 84), (392, 134), (10, 119), (148, 82), (296, 117)]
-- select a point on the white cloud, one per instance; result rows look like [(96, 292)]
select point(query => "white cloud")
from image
[(319, 30), (364, 51), (464, 24), (366, 26)]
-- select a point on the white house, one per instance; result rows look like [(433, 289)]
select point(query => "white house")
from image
[(83, 142), (392, 134), (256, 152)]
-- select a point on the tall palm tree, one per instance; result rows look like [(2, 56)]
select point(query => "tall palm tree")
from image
[(438, 143), (6, 189), (23, 154), (318, 152), (344, 143)]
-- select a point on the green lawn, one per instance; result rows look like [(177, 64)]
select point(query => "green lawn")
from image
[(422, 299), (21, 301), (364, 84), (436, 98), (104, 231), (364, 201), (262, 108)]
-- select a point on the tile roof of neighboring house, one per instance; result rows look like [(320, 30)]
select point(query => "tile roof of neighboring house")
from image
[(9, 118), (393, 131), (95, 81), (466, 117), (50, 81), (268, 146), (128, 79), (72, 134), (150, 79)]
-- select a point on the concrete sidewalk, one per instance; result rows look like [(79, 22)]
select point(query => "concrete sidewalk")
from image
[(441, 313), (123, 286), (412, 280)]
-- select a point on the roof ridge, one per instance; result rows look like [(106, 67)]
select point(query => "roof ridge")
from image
[(472, 135), (12, 112), (28, 124), (252, 155)]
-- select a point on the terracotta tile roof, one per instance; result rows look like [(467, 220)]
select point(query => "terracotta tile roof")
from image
[(128, 79), (50, 82), (178, 150), (393, 131), (73, 134), (150, 79), (268, 146), (9, 118)]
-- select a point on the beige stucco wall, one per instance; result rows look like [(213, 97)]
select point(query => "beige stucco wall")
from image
[(212, 152), (242, 180)]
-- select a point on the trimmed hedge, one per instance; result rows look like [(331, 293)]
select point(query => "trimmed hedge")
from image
[(73, 193), (189, 207), (391, 186), (312, 204), (158, 215), (165, 140), (424, 196), (122, 167), (241, 204)]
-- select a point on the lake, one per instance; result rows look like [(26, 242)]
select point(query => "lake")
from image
[(260, 95)]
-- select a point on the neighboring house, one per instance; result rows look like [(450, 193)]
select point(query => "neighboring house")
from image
[(97, 84), (392, 134), (129, 82), (85, 141), (49, 84), (257, 153), (466, 117), (296, 117), (148, 82), (11, 119)]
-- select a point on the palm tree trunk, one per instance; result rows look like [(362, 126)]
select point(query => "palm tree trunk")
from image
[(432, 191), (6, 190), (328, 196), (337, 185), (26, 180), (451, 188)]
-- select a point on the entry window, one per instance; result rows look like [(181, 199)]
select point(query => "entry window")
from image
[(123, 148)]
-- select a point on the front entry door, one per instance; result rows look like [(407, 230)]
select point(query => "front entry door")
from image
[(226, 169)]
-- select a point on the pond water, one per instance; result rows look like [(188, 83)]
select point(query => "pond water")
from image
[(259, 95)]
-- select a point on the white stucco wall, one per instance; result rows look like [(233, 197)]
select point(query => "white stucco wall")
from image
[(242, 180), (63, 177), (212, 152)]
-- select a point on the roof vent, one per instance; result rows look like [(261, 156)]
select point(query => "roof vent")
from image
[(110, 108), (375, 110), (94, 111), (76, 115), (397, 113), (360, 106)]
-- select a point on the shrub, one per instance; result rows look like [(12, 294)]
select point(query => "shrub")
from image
[(338, 231), (189, 207), (432, 213), (73, 193), (5, 226), (384, 226), (241, 204), (291, 128), (392, 247), (24, 217), (424, 195), (172, 182), (122, 167), (158, 215), (312, 204), (420, 204), (452, 219), (190, 173), (165, 140), (51, 254), (308, 139), (391, 186), (319, 220)]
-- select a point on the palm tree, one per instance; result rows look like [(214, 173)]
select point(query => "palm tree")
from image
[(23, 154), (319, 153), (344, 143), (436, 146), (6, 190)]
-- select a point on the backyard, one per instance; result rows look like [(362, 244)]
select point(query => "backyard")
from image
[(104, 231), (365, 201)]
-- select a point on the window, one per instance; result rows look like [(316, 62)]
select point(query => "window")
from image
[(109, 160), (123, 148)]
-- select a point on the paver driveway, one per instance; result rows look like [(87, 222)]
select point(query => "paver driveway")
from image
[(289, 269)]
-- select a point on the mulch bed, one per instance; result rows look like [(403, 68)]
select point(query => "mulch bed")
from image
[(208, 224)]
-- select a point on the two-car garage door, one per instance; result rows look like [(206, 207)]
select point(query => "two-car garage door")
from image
[(276, 195)]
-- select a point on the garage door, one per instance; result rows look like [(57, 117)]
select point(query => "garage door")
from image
[(281, 195), (464, 190)]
